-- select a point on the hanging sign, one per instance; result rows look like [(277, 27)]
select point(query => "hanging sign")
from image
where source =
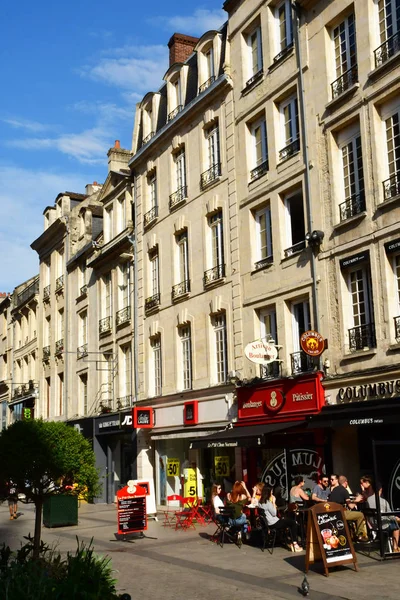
[(312, 343), (261, 352), (173, 467), (328, 537), (221, 466), (190, 487)]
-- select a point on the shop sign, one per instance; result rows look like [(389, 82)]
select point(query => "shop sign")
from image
[(392, 247), (143, 417), (354, 260), (190, 487), (369, 391), (108, 424), (261, 352), (191, 412), (312, 343), (173, 467), (221, 466)]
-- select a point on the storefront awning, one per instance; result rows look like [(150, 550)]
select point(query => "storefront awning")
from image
[(250, 435), (368, 412)]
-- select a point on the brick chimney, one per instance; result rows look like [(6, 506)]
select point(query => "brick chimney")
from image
[(180, 47)]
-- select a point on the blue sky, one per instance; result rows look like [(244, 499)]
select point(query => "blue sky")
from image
[(71, 75)]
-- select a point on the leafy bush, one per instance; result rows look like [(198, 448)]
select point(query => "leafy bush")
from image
[(81, 576)]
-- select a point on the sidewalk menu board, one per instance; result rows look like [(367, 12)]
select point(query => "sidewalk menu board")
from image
[(328, 537), (131, 509)]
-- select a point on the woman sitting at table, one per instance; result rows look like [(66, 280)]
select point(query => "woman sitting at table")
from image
[(257, 491), (215, 499), (268, 505), (297, 494), (237, 500)]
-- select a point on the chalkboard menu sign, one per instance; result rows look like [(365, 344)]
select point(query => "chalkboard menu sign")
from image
[(328, 537), (131, 509)]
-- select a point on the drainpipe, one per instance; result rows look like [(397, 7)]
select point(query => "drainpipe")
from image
[(301, 94), (66, 318)]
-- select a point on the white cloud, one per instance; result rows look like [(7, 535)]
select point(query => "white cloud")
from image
[(201, 21), (24, 194), (105, 111), (32, 126)]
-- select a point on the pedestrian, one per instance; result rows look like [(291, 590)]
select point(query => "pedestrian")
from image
[(12, 497)]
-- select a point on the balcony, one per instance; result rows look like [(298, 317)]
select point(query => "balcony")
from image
[(28, 293), (295, 248), (82, 351), (214, 274), (83, 290), (124, 402), (303, 363), (105, 325), (264, 262), (174, 112), (178, 197), (206, 84), (387, 50), (123, 316), (397, 329), (260, 170), (148, 138), (289, 150), (284, 52), (362, 337), (210, 175), (59, 347), (253, 80), (353, 206), (344, 82), (152, 302), (46, 293), (271, 371), (391, 187), (180, 289), (150, 216), (46, 352), (59, 283)]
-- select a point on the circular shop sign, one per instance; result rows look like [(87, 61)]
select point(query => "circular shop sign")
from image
[(312, 343), (261, 352), (274, 401)]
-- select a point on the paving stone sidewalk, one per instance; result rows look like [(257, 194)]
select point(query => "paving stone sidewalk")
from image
[(186, 564)]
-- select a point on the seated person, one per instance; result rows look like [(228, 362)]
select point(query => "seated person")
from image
[(215, 498), (390, 523), (268, 504), (257, 490), (340, 495), (237, 500), (343, 481), (321, 491), (297, 494)]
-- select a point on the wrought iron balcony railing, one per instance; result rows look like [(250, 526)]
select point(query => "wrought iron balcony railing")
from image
[(46, 293), (214, 274), (289, 150), (123, 316), (284, 52), (180, 289), (83, 290), (46, 352), (82, 351), (260, 170), (124, 402), (391, 186), (270, 371), (302, 362), (387, 49), (397, 328), (344, 82), (174, 112), (352, 206), (59, 347), (150, 216), (59, 283), (362, 337), (105, 325), (152, 302), (177, 197), (206, 84), (148, 138), (256, 77), (264, 262), (210, 175), (28, 293), (295, 248)]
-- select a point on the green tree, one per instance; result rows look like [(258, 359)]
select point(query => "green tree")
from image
[(38, 456)]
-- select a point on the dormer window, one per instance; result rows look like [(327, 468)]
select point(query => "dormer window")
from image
[(207, 69), (176, 98), (148, 131)]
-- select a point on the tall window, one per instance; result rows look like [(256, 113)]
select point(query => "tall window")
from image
[(362, 330), (186, 356), (82, 278), (264, 236), (126, 372), (180, 170), (123, 285), (121, 214), (182, 242), (344, 39), (154, 273), (301, 321), (177, 96), (260, 148), (389, 18), (255, 51), (290, 128), (152, 183), (295, 228), (83, 337), (60, 394), (353, 175), (392, 125), (212, 137), (83, 392), (108, 379), (217, 240), (285, 25), (209, 61), (108, 223), (268, 331), (157, 365), (396, 268), (221, 347), (106, 296), (48, 395)]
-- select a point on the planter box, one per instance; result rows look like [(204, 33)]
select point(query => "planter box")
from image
[(60, 511)]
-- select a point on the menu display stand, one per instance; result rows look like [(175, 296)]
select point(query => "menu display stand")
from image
[(131, 509), (328, 537)]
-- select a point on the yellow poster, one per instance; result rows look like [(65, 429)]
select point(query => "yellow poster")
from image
[(173, 467), (221, 466), (190, 488)]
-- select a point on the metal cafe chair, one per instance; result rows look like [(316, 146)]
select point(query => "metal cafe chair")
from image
[(194, 504), (172, 509), (225, 530)]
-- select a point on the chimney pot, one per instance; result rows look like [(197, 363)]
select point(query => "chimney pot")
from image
[(95, 183), (117, 144), (181, 47)]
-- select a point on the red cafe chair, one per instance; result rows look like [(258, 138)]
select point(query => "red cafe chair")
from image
[(170, 512)]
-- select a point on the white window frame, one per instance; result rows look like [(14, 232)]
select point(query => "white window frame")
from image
[(352, 172), (152, 187), (354, 320), (215, 223), (177, 93), (183, 256), (289, 111), (285, 40), (386, 31), (392, 141), (154, 274), (213, 150), (296, 325), (209, 63), (83, 392), (259, 145), (185, 338), (255, 53), (108, 223), (83, 328), (289, 228), (180, 169), (344, 59), (123, 285), (220, 347), (125, 377), (260, 233), (121, 214), (396, 275), (156, 370), (106, 295)]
